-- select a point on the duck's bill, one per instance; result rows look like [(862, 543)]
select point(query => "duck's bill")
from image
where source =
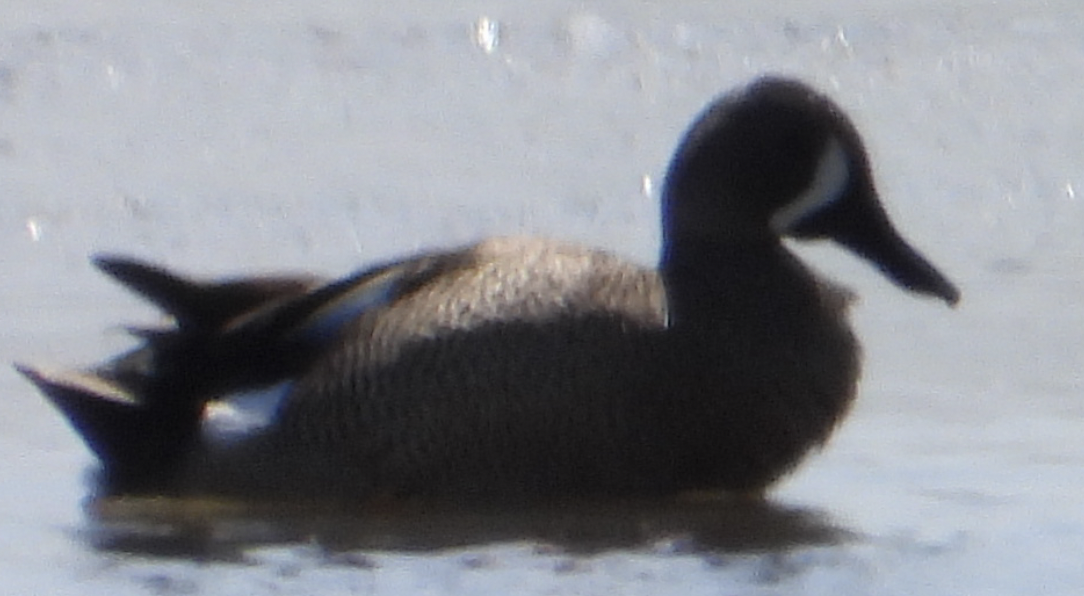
[(902, 264)]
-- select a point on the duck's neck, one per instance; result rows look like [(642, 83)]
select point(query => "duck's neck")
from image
[(713, 286)]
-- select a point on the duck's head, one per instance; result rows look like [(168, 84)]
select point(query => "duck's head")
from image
[(778, 159)]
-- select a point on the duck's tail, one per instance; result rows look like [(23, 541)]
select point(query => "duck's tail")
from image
[(126, 437), (139, 412), (203, 306)]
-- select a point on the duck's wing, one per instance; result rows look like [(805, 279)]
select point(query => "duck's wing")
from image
[(247, 330), (311, 320)]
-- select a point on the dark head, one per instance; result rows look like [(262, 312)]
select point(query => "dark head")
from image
[(778, 159)]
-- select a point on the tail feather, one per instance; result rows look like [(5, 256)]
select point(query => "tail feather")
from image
[(199, 305), (106, 416), (138, 444), (228, 335)]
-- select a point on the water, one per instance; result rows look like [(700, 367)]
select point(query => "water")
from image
[(228, 138)]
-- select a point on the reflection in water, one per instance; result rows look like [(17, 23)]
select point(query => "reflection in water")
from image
[(221, 531)]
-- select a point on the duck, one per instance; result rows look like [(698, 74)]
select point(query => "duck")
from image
[(523, 367)]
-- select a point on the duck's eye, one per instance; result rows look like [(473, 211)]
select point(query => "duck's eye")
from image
[(825, 188)]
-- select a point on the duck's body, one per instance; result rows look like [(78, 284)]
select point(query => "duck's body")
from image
[(547, 369), (523, 368)]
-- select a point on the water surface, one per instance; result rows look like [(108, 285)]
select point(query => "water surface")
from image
[(239, 137)]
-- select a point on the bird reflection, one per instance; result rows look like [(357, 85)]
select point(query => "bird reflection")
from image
[(217, 530)]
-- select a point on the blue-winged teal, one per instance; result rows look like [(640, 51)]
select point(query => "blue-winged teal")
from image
[(523, 367)]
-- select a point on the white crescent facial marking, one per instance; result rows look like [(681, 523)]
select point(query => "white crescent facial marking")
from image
[(827, 186)]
